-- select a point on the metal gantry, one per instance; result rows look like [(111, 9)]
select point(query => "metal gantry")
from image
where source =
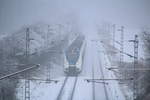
[(48, 67), (27, 81), (135, 84), (27, 44), (114, 34), (47, 37), (121, 45)]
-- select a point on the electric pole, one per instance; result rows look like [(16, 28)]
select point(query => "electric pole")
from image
[(60, 26), (2, 94), (2, 52), (48, 73), (114, 31), (27, 81), (47, 36), (135, 74), (122, 45)]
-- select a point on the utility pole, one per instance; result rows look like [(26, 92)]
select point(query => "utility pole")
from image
[(2, 52), (48, 73), (60, 26), (135, 84), (122, 45), (114, 31), (27, 44), (27, 81), (47, 36), (2, 94)]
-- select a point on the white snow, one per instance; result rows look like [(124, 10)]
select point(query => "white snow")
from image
[(94, 61)]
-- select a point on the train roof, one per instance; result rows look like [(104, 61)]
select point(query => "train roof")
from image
[(73, 51)]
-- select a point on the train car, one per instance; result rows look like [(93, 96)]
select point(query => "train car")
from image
[(73, 56)]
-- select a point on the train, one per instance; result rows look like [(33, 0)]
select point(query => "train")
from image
[(73, 56)]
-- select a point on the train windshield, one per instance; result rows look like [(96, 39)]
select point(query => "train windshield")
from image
[(73, 51)]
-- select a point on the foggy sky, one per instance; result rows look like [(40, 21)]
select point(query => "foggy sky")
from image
[(133, 14)]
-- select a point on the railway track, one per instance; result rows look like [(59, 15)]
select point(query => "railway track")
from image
[(65, 86), (95, 71), (104, 85), (93, 84)]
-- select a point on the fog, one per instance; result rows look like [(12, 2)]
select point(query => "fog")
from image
[(78, 31), (14, 14)]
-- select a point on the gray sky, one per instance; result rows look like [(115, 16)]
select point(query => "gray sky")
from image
[(133, 14)]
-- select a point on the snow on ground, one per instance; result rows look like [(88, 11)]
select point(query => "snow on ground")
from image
[(40, 90), (94, 61), (83, 90), (66, 93), (113, 86)]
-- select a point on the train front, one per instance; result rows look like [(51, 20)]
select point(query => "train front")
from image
[(74, 57)]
